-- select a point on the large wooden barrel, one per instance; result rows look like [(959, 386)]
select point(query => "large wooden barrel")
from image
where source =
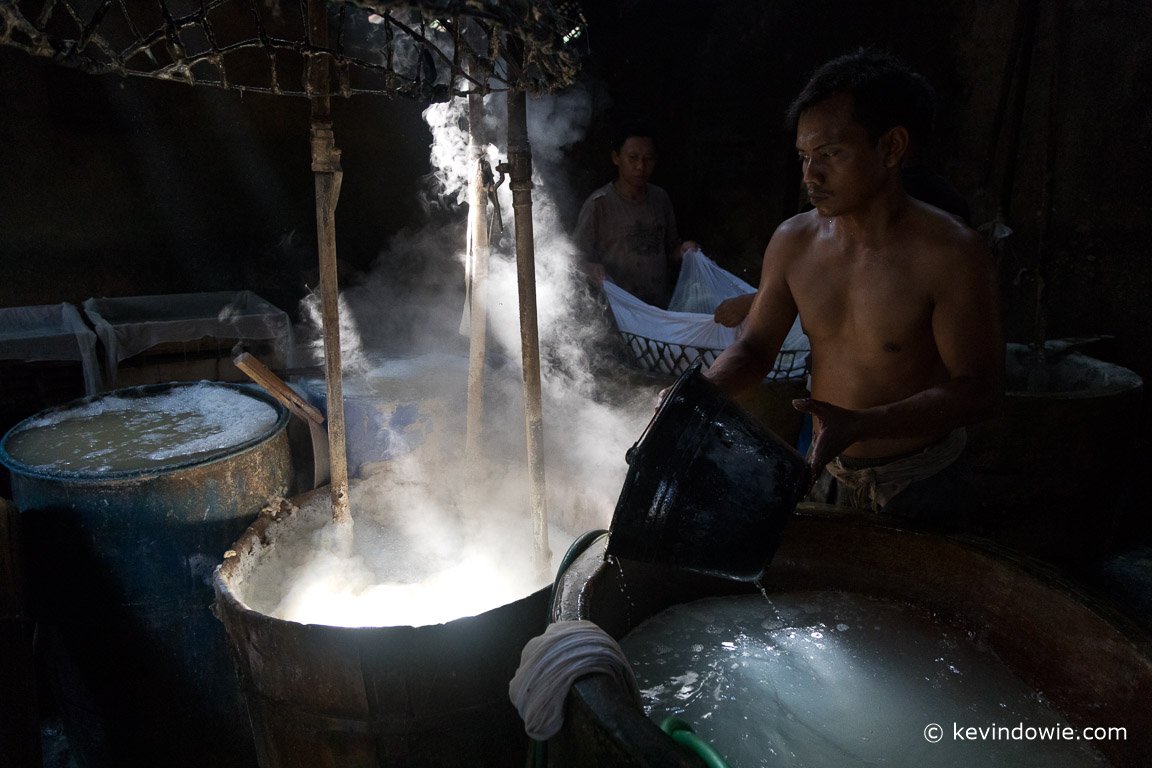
[(118, 567), (1091, 663), (376, 697)]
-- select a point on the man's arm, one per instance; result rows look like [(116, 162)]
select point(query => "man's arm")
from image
[(584, 238), (745, 363), (673, 248), (966, 330)]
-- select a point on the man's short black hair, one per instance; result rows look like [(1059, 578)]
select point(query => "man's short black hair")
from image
[(626, 130), (885, 93)]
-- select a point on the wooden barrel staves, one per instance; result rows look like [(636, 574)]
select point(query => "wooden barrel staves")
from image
[(322, 696)]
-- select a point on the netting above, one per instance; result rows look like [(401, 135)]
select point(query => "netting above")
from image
[(430, 50)]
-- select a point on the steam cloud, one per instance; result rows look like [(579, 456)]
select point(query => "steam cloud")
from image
[(455, 515)]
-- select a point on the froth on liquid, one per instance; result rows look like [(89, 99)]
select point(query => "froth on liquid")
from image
[(123, 434), (832, 679)]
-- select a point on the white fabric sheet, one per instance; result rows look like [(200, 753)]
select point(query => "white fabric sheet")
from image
[(687, 328), (130, 325), (50, 332)]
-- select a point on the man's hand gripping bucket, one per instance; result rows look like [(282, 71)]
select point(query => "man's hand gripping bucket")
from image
[(709, 489)]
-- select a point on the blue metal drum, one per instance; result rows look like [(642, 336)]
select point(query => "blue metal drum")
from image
[(119, 574)]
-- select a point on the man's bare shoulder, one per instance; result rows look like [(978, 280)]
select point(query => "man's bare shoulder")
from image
[(942, 239), (952, 258), (793, 235), (944, 229), (801, 225), (598, 194)]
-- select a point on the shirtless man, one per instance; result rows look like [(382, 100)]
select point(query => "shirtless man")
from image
[(898, 299)]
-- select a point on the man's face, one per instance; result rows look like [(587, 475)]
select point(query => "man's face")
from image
[(842, 167), (636, 160)]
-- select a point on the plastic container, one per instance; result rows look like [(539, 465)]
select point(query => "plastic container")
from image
[(187, 336), (53, 332), (709, 489)]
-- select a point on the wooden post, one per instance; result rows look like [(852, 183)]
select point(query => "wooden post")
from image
[(326, 167), (478, 256), (520, 182)]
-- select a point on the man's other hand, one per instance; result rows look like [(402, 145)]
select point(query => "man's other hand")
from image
[(687, 245), (833, 430), (731, 312)]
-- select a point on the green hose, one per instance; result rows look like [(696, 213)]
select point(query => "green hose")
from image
[(683, 734)]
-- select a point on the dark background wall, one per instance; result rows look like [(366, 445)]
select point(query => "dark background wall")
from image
[(117, 186), (112, 186)]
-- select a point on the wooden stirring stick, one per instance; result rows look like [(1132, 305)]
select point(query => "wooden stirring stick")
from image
[(263, 375)]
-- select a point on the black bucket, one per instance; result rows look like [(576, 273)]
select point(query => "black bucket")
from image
[(709, 489)]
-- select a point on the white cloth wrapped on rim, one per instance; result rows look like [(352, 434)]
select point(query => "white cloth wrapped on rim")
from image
[(550, 663), (688, 324)]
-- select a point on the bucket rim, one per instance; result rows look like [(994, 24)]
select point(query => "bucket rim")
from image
[(19, 468)]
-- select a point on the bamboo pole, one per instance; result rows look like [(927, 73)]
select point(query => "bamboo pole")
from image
[(520, 182), (479, 252), (328, 176)]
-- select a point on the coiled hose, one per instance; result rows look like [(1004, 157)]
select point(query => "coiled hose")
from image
[(683, 734)]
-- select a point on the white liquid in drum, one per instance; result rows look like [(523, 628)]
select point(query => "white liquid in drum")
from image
[(123, 434), (814, 679)]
